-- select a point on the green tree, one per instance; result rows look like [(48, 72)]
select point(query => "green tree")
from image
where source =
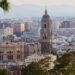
[(4, 4), (45, 63), (65, 65), (4, 72), (33, 69)]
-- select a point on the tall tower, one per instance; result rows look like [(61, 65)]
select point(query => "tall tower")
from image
[(45, 34)]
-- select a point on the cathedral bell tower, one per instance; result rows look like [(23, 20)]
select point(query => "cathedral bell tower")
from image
[(45, 34)]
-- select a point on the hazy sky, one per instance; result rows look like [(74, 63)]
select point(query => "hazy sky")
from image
[(35, 8), (44, 2)]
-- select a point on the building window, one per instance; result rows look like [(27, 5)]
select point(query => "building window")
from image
[(1, 52), (10, 57), (18, 51), (44, 25), (44, 37), (10, 52), (18, 57), (1, 55)]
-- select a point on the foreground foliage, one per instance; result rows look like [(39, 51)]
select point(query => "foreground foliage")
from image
[(32, 69), (4, 4), (65, 65), (4, 72)]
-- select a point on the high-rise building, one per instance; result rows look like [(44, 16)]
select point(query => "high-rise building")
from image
[(45, 34), (28, 26), (18, 27)]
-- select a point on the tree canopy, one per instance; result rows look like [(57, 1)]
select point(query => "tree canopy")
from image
[(4, 72), (65, 65), (32, 69), (4, 4), (37, 68)]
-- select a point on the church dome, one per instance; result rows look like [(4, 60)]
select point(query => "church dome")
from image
[(46, 16)]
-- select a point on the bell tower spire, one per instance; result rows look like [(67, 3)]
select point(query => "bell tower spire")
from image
[(45, 34), (45, 11)]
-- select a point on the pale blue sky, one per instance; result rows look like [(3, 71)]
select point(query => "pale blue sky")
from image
[(35, 8), (44, 2)]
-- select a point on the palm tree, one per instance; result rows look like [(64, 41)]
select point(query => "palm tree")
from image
[(4, 4)]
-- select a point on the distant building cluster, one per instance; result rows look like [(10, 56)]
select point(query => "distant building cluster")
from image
[(14, 27), (67, 28)]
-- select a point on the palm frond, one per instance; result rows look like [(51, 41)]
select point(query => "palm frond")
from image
[(4, 4)]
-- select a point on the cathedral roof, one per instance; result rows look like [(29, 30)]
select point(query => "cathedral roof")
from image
[(46, 14)]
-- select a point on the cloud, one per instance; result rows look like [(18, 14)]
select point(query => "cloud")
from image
[(44, 2)]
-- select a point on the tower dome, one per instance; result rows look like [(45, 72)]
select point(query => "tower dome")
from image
[(45, 16)]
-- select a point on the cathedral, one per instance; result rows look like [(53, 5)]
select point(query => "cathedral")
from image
[(45, 34)]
